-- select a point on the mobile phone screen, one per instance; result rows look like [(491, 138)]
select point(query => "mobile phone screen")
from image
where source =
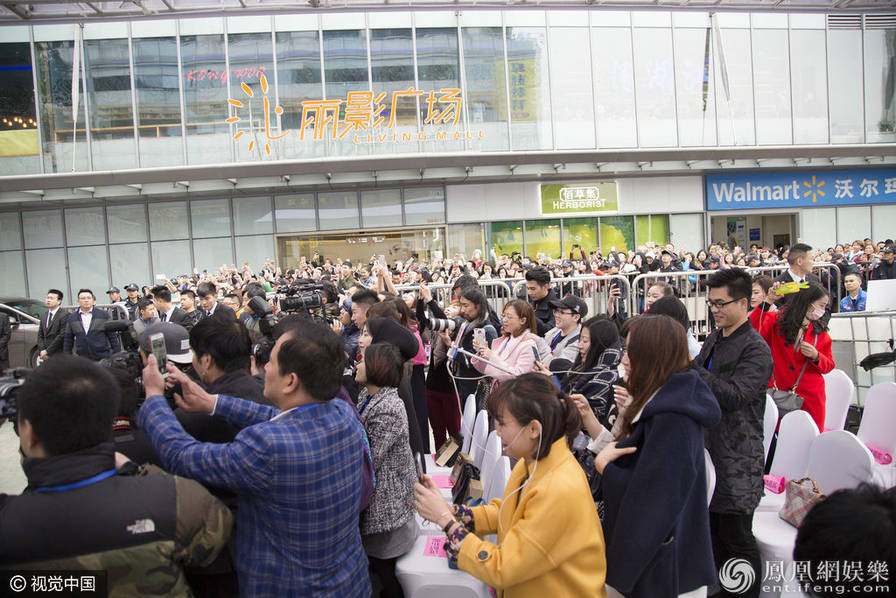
[(479, 336), (157, 344)]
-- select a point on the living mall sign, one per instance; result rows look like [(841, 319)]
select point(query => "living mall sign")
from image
[(365, 118)]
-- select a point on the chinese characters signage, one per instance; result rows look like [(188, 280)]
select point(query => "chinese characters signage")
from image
[(366, 117), (742, 191), (588, 198)]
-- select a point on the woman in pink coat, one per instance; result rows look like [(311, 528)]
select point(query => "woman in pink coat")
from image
[(515, 349)]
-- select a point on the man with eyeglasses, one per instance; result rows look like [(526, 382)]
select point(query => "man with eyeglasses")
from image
[(736, 363)]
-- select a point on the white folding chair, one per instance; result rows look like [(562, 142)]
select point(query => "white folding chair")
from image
[(478, 438), (839, 392), (710, 476), (424, 576), (837, 460), (795, 436), (769, 423), (467, 420)]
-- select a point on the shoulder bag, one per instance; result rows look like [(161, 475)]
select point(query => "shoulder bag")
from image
[(789, 400)]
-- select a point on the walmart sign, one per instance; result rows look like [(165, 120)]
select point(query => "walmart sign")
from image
[(749, 191)]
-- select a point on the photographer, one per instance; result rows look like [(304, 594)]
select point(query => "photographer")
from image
[(221, 352), (474, 311), (82, 512)]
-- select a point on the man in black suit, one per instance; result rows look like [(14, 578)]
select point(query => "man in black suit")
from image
[(84, 330), (800, 262), (52, 326), (208, 301), (166, 310)]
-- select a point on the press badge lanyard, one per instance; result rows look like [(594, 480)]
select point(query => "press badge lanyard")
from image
[(91, 480), (556, 340)]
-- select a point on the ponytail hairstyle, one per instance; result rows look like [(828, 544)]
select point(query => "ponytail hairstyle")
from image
[(534, 396)]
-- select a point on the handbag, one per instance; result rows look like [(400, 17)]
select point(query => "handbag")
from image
[(799, 500), (483, 389), (467, 484), (789, 400)]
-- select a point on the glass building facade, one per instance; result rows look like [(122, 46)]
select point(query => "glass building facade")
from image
[(162, 93)]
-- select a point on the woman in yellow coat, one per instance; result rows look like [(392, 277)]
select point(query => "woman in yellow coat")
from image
[(550, 541)]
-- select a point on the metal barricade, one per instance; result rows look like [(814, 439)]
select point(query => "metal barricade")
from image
[(856, 335), (594, 290)]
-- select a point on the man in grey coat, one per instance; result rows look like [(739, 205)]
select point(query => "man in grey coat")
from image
[(736, 364)]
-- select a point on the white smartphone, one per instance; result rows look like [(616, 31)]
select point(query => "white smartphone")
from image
[(157, 344), (479, 336)]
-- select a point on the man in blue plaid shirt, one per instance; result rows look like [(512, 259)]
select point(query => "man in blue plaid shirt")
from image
[(296, 467)]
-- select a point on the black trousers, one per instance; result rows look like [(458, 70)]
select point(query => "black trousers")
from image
[(732, 538)]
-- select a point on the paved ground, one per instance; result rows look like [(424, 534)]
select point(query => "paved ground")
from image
[(12, 480)]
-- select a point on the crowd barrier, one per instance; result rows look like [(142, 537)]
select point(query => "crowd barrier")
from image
[(856, 335)]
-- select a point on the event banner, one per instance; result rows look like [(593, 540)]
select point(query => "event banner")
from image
[(799, 189)]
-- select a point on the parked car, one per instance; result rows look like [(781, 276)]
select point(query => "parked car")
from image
[(24, 319)]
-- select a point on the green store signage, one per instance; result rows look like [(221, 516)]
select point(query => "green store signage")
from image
[(588, 198)]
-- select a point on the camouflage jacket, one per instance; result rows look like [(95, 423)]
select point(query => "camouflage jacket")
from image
[(141, 526)]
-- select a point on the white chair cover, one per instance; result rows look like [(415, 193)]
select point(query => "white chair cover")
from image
[(839, 392), (769, 423), (489, 459), (710, 476), (466, 423), (795, 437), (423, 576), (878, 427), (499, 478), (478, 438)]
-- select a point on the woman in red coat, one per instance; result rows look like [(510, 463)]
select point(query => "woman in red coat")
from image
[(796, 334)]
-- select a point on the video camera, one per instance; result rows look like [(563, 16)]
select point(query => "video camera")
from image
[(10, 383), (295, 298)]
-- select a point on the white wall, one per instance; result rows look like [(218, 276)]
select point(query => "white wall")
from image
[(517, 201)]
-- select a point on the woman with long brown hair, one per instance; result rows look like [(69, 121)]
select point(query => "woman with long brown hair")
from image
[(654, 478)]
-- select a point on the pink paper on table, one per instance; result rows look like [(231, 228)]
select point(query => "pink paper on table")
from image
[(443, 481), (435, 546)]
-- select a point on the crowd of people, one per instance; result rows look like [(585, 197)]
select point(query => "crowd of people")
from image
[(276, 452)]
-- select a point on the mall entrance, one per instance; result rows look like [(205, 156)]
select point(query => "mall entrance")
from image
[(404, 244), (763, 229)]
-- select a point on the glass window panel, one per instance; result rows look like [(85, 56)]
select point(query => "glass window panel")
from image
[(530, 101), (655, 87), (211, 218), (211, 253), (810, 97), (252, 215), (818, 227), (89, 269), (46, 270), (571, 94), (686, 231), (381, 208), (158, 101), (694, 87), (251, 58), (852, 223), (506, 237), (298, 80), (617, 233), (12, 283), (735, 108), (652, 228), (19, 144), (464, 238), (424, 206), (845, 86), (168, 220), (130, 263), (882, 219), (10, 233), (543, 238), (581, 232), (295, 213), (438, 67), (345, 70), (173, 257), (42, 229), (126, 223), (338, 209), (771, 78), (614, 87), (486, 95), (205, 98), (880, 85), (109, 94), (54, 89), (84, 226), (392, 70), (255, 250)]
